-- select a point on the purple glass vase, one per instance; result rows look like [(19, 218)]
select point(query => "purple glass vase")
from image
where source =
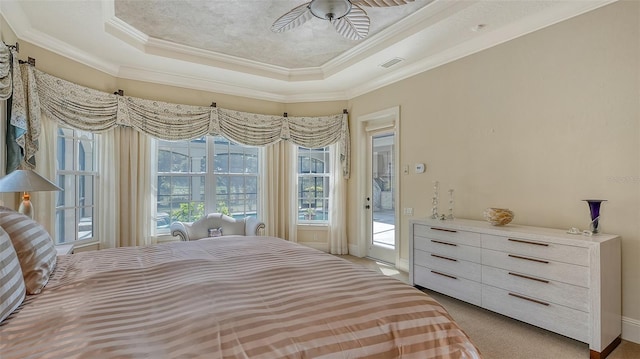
[(594, 209)]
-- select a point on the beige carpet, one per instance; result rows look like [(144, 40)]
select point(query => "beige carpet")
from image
[(499, 337)]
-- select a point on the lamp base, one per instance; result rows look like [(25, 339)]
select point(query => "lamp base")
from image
[(25, 207)]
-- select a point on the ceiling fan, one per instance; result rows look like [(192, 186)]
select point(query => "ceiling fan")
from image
[(347, 16)]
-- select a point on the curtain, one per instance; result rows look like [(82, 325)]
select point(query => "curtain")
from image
[(6, 85), (108, 225), (279, 184), (44, 202), (125, 194), (135, 194), (338, 243)]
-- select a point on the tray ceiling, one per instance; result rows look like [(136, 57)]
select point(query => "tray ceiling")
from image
[(227, 46)]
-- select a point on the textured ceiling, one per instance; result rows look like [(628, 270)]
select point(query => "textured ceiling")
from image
[(242, 28)]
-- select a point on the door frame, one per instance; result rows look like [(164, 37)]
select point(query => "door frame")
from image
[(387, 118)]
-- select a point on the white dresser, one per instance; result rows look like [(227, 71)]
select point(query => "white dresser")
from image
[(565, 283)]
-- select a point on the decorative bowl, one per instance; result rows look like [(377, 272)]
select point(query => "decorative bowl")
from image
[(498, 216)]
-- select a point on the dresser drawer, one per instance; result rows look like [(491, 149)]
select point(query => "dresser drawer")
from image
[(448, 249), (535, 248), (567, 295), (445, 283), (566, 321), (537, 267), (447, 235), (449, 265)]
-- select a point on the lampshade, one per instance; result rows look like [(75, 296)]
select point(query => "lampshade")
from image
[(26, 181), (330, 9)]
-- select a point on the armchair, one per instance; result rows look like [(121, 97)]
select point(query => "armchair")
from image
[(190, 231)]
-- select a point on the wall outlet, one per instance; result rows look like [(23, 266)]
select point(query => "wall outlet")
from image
[(405, 169), (408, 211)]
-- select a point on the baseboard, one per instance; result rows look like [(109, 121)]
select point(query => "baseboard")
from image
[(631, 330)]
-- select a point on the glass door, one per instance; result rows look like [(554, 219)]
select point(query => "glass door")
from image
[(381, 196)]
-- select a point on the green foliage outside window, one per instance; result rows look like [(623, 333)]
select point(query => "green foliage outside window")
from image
[(188, 212)]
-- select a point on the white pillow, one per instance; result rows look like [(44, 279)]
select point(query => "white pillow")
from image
[(12, 289), (34, 247)]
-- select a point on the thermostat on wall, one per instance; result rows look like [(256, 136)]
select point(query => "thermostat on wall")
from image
[(420, 167)]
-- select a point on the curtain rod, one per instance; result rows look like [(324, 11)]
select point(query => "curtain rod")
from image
[(30, 60), (16, 46)]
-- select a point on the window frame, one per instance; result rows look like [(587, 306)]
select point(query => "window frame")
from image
[(78, 137), (211, 175), (326, 153)]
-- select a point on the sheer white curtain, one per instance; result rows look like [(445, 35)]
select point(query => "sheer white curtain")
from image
[(125, 197), (338, 243), (280, 211), (44, 202)]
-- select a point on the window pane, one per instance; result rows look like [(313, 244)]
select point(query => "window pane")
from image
[(85, 225), (251, 160), (85, 155), (181, 187), (65, 154), (65, 225), (67, 197), (164, 185), (85, 191), (222, 185), (198, 160), (164, 160), (187, 211), (179, 160)]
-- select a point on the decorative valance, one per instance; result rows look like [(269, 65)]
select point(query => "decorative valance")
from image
[(5, 73), (96, 111)]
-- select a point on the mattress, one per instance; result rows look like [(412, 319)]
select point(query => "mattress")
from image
[(228, 297)]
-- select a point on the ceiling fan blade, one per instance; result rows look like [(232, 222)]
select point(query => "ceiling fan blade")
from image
[(381, 3), (354, 25), (294, 18)]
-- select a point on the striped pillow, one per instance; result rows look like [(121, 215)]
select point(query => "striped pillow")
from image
[(34, 247), (11, 283)]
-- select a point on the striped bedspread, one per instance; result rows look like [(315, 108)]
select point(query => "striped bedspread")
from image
[(231, 297)]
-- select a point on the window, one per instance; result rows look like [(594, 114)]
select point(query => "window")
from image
[(313, 185), (76, 174), (204, 175)]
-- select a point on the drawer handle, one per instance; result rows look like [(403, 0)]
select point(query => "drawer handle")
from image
[(443, 257), (529, 242), (446, 243), (529, 259), (444, 230), (527, 277), (444, 275), (529, 299)]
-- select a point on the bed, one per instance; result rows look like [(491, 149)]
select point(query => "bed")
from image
[(228, 297)]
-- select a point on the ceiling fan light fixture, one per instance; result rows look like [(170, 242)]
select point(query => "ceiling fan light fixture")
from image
[(330, 9)]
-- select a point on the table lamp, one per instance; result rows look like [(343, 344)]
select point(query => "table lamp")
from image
[(26, 181)]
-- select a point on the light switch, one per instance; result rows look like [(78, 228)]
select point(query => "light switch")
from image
[(405, 169), (420, 167)]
